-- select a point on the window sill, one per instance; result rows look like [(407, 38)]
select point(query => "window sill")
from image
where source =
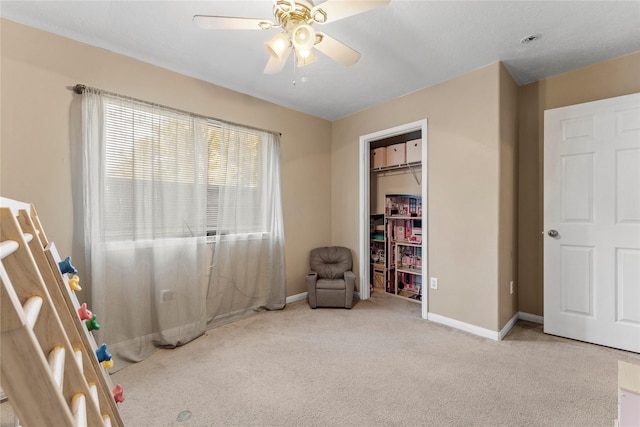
[(261, 235)]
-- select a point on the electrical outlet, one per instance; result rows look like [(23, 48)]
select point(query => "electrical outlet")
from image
[(511, 287), (166, 295), (434, 283)]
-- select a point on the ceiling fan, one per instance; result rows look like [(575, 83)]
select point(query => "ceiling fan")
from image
[(296, 20)]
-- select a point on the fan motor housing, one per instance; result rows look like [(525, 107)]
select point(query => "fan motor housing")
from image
[(291, 14)]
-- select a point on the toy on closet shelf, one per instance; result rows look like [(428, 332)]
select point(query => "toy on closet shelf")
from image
[(74, 283), (118, 393), (85, 313), (66, 267), (102, 353), (92, 324)]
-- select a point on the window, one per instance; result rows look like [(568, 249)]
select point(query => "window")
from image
[(157, 162)]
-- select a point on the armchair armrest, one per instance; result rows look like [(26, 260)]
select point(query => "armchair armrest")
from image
[(350, 282), (311, 279)]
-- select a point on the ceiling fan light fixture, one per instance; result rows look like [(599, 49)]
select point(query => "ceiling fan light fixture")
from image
[(265, 25), (295, 19), (304, 57), (284, 6), (318, 15), (277, 46), (303, 37)]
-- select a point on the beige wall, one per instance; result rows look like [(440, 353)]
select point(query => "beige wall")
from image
[(620, 76), (463, 187), (37, 71), (508, 215)]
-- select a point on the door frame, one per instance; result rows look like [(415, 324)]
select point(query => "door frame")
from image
[(365, 202)]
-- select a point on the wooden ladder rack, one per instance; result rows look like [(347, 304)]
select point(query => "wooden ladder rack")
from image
[(49, 368)]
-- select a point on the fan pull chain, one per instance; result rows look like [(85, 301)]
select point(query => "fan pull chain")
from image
[(295, 59), (302, 79)]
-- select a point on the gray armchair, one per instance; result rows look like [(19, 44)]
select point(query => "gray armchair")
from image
[(331, 281)]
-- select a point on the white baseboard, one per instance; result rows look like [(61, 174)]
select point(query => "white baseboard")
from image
[(467, 327), (476, 330), (506, 328), (297, 297), (531, 317)]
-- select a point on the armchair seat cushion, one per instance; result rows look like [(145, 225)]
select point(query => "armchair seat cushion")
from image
[(330, 284)]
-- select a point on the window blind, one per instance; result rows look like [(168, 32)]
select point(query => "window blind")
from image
[(150, 172)]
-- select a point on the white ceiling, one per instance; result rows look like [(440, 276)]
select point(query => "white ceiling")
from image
[(405, 46)]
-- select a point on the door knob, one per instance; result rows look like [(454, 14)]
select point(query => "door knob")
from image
[(553, 233)]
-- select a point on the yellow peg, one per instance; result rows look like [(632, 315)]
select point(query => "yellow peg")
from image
[(74, 283)]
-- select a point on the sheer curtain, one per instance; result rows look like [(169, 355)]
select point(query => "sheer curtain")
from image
[(180, 233), (248, 269)]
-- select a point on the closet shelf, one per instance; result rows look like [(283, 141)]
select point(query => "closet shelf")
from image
[(396, 167)]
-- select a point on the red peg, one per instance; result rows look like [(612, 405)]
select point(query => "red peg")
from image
[(118, 393), (84, 313)]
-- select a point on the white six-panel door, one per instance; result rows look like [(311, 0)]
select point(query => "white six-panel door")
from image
[(592, 222)]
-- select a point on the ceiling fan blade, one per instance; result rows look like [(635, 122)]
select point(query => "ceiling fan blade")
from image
[(231, 23), (337, 51), (275, 65), (339, 9)]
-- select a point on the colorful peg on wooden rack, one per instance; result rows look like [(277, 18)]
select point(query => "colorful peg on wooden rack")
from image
[(118, 393), (102, 353), (74, 283), (92, 324), (66, 267), (84, 312), (107, 364)]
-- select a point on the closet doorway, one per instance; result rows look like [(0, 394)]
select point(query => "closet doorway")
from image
[(406, 132)]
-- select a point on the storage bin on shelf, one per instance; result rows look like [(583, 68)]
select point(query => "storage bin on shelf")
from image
[(396, 154), (378, 157), (414, 151)]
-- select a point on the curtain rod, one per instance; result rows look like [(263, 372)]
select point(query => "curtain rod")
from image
[(80, 89)]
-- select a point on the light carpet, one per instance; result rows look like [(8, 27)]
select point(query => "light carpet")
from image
[(378, 364)]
